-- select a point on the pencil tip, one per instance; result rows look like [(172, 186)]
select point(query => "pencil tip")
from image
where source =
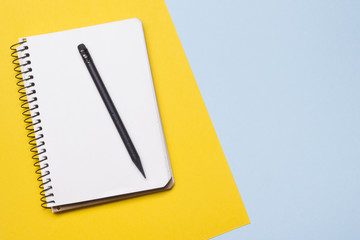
[(136, 160), (142, 172)]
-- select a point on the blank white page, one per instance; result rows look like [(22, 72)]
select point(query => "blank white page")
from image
[(86, 156)]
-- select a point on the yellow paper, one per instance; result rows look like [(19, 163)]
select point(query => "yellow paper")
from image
[(204, 201)]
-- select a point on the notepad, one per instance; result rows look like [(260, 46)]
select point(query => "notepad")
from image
[(82, 160)]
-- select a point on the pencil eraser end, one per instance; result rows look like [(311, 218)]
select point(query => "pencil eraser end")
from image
[(81, 47)]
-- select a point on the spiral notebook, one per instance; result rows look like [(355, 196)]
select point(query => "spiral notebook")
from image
[(80, 157)]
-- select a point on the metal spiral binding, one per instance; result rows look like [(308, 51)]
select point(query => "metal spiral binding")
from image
[(33, 122)]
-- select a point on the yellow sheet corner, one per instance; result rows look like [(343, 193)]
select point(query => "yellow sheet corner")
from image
[(204, 201)]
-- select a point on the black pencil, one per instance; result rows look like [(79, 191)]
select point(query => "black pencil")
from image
[(111, 107)]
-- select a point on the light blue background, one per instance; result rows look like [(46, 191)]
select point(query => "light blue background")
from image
[(281, 82)]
